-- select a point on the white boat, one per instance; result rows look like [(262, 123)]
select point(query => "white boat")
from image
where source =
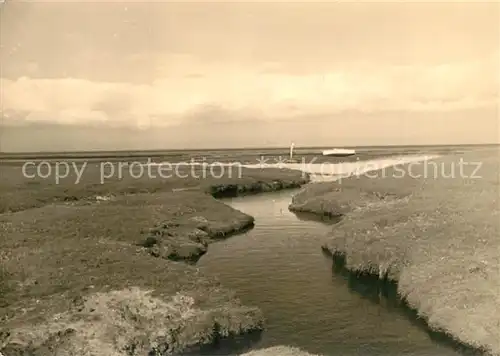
[(339, 152)]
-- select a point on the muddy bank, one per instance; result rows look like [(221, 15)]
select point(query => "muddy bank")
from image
[(108, 276), (435, 235)]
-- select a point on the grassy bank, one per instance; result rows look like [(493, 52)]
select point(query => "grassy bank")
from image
[(23, 190), (434, 233), (98, 269)]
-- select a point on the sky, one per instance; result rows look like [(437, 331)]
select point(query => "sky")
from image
[(150, 75)]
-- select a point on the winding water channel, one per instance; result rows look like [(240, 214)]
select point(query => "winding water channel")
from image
[(279, 267)]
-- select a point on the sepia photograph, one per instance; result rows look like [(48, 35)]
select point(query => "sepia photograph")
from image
[(249, 178)]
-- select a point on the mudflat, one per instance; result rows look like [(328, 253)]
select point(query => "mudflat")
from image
[(107, 268), (433, 228)]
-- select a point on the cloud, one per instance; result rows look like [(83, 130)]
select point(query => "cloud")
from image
[(231, 92)]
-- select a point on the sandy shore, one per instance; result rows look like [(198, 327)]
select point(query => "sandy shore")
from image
[(100, 269), (433, 233), (279, 351)]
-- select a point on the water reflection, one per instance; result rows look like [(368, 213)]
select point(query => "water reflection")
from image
[(384, 292), (230, 346), (325, 219)]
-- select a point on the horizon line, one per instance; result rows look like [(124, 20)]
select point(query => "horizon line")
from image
[(131, 152)]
